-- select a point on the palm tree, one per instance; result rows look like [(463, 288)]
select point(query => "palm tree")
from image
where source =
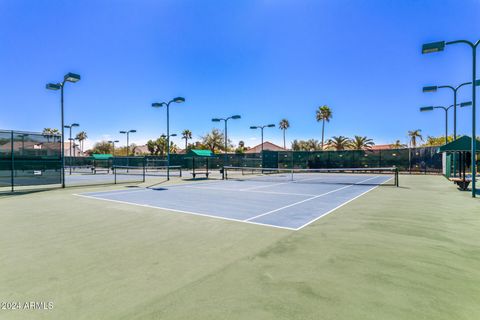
[(56, 134), (81, 137), (397, 145), (47, 132), (186, 134), (414, 135), (324, 113), (339, 143), (359, 143), (284, 125)]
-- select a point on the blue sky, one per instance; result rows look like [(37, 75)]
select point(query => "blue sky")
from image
[(263, 59)]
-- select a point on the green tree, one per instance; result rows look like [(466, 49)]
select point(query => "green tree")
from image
[(437, 141), (360, 143), (102, 147), (214, 141), (152, 147), (324, 113), (186, 134), (284, 125), (414, 135), (339, 143), (241, 147)]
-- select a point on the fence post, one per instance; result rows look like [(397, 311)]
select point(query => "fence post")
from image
[(12, 164)]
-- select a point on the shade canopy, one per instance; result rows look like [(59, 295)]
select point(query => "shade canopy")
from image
[(98, 156), (200, 153), (463, 143)]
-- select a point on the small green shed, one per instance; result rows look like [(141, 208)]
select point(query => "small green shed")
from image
[(203, 154)]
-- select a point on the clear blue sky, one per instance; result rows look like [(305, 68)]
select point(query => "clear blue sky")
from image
[(263, 59)]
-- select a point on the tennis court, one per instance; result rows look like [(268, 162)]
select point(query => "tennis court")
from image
[(271, 197)]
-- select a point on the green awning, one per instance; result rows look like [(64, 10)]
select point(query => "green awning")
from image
[(98, 156), (201, 153), (463, 143)]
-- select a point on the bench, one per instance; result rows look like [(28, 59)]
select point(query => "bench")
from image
[(95, 170), (462, 183), (206, 173)]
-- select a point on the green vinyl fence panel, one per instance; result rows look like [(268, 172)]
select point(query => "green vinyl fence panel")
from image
[(29, 158)]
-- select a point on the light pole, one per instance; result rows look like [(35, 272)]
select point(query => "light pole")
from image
[(127, 132), (225, 133), (430, 108), (440, 46), (261, 128), (69, 77), (23, 141), (113, 145), (70, 143), (165, 136), (167, 104), (455, 90)]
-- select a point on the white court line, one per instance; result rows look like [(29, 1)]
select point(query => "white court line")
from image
[(183, 211), (330, 211), (253, 191), (309, 199)]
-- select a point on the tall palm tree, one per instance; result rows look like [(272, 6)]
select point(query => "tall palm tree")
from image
[(339, 143), (414, 135), (186, 134), (324, 113), (397, 145), (47, 132), (56, 134), (284, 125), (81, 137), (359, 143)]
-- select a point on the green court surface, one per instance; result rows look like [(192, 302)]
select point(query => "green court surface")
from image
[(395, 253)]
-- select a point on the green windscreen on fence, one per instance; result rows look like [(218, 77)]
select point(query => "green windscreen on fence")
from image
[(28, 158)]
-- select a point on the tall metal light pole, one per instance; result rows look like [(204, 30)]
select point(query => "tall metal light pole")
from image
[(70, 143), (167, 104), (112, 142), (261, 128), (225, 133), (430, 108), (440, 46), (455, 91), (127, 132), (69, 77)]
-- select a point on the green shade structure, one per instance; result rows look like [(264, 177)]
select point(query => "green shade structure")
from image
[(235, 117), (440, 46), (69, 77), (167, 105), (463, 143)]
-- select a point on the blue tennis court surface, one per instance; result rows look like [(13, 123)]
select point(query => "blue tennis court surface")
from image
[(287, 204)]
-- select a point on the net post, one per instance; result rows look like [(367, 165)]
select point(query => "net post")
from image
[(396, 177), (114, 168), (144, 171)]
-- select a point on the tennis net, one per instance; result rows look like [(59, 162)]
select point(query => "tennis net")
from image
[(348, 176)]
